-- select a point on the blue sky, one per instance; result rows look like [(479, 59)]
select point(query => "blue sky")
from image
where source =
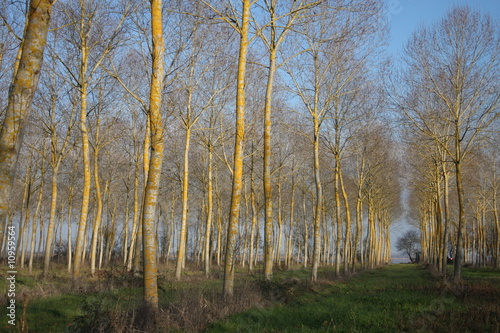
[(404, 16)]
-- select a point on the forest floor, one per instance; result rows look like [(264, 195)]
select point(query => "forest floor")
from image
[(395, 298)]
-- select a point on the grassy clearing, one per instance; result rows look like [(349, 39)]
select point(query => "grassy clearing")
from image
[(397, 298)]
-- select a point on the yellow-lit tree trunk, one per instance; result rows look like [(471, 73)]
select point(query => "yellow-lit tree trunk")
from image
[(52, 218), (82, 226), (136, 261), (21, 95), (338, 220), (268, 195), (254, 217), (98, 216), (319, 200), (210, 208), (35, 218), (238, 154), (181, 253), (135, 221), (348, 251), (153, 181)]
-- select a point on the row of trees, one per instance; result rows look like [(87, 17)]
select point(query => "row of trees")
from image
[(449, 95), (304, 172)]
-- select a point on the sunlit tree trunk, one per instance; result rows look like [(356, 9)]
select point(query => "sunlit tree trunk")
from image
[(135, 222), (20, 96), (52, 218), (210, 208), (348, 249), (337, 220), (181, 253), (98, 199), (35, 218), (268, 195), (319, 198), (83, 81), (153, 180), (254, 217), (146, 158), (232, 230), (22, 239)]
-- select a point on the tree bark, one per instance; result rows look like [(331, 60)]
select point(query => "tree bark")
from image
[(157, 145), (21, 95), (232, 229)]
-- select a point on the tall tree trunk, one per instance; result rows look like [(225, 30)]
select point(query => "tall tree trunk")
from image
[(268, 195), (347, 241), (98, 198), (289, 246), (338, 220), (461, 222), (210, 208), (319, 202), (497, 226), (136, 262), (157, 145), (21, 94), (232, 228), (255, 213), (445, 236), (181, 253), (135, 221), (52, 222), (82, 226), (35, 219)]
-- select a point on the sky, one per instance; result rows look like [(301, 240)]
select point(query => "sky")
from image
[(405, 16)]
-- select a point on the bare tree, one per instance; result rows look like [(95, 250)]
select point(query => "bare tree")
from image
[(450, 92), (409, 244)]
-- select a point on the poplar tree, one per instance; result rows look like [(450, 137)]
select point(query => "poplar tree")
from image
[(21, 94)]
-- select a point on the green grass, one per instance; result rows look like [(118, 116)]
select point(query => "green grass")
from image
[(51, 314), (398, 298)]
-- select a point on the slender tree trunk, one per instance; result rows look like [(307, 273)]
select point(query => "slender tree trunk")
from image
[(461, 222), (445, 236), (135, 217), (70, 233), (319, 201), (153, 180), (253, 205), (210, 208), (27, 216), (181, 253), (280, 227), (82, 226), (98, 217), (497, 227), (306, 231), (52, 221), (289, 247), (268, 195), (138, 254), (232, 229), (35, 219), (347, 241), (338, 221)]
